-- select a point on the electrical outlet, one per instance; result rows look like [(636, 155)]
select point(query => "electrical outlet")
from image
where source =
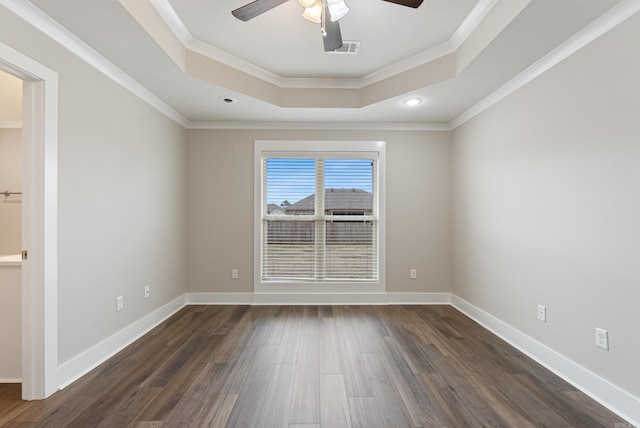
[(602, 338), (234, 273), (119, 303), (542, 313), (147, 291), (413, 274)]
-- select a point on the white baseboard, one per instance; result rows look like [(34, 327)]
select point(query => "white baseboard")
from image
[(318, 298), (81, 364), (219, 298), (11, 380), (609, 395), (419, 298)]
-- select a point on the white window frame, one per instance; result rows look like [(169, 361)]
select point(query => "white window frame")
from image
[(299, 148)]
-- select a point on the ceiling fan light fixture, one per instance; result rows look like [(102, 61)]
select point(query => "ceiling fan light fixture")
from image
[(338, 9), (313, 13)]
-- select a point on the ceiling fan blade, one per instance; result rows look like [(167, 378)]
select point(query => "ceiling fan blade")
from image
[(255, 8), (409, 3), (333, 39)]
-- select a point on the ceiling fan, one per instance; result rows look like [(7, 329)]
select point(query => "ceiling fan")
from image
[(327, 13)]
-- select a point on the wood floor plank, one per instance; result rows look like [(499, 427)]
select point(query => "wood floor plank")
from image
[(217, 411), (311, 322), (598, 416), (557, 401), (329, 350), (334, 405), (325, 311), (355, 376), (515, 403), (235, 337), (422, 408), (188, 410), (365, 412), (290, 344), (360, 329), (465, 403), (276, 408), (125, 413), (314, 366), (233, 316), (252, 393), (275, 327), (389, 409), (305, 408), (186, 366)]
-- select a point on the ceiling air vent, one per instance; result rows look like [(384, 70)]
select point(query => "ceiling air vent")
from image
[(348, 47)]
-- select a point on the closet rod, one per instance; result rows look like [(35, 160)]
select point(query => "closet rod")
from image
[(7, 193)]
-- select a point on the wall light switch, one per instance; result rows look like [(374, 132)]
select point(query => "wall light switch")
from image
[(542, 313), (119, 303)]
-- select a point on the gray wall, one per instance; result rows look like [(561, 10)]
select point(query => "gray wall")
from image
[(121, 197), (221, 206), (547, 207)]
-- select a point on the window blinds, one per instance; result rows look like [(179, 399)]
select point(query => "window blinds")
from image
[(320, 218)]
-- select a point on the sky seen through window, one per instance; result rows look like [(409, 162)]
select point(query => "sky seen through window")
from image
[(293, 179)]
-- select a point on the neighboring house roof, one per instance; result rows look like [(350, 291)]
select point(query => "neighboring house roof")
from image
[(273, 207), (337, 200)]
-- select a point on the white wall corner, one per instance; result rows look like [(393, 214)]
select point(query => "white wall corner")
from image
[(78, 366), (609, 395)]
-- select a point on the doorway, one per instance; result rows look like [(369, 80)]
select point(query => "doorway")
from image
[(39, 222), (10, 227)]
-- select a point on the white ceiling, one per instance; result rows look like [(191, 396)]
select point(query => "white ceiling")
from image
[(282, 50), (284, 43)]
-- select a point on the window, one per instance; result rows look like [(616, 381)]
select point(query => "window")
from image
[(319, 216)]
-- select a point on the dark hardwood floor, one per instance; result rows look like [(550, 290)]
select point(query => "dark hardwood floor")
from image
[(314, 366)]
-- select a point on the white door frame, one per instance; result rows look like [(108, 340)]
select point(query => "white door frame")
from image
[(39, 223)]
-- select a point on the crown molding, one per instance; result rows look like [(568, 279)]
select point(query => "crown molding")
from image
[(181, 32), (478, 13), (52, 29), (34, 16), (322, 126), (615, 16)]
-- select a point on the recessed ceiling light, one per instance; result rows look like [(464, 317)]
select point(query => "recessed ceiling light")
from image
[(412, 102), (227, 100)]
